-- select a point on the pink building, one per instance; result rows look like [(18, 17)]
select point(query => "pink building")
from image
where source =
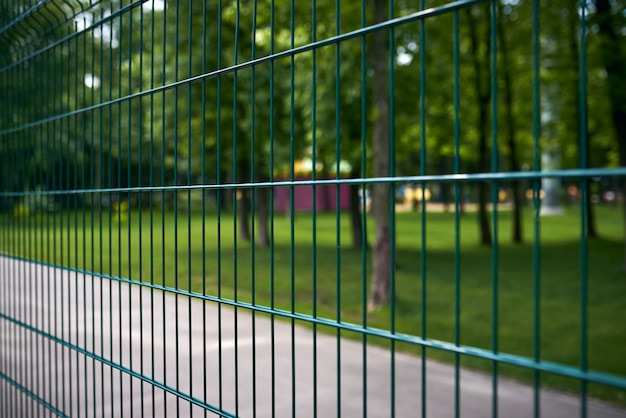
[(326, 197)]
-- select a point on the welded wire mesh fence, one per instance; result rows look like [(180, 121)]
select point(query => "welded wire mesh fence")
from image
[(315, 209)]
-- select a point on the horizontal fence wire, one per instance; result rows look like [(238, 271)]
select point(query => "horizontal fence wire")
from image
[(447, 178), (589, 376), (225, 208)]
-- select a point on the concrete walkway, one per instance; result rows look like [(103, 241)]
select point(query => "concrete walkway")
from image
[(175, 341)]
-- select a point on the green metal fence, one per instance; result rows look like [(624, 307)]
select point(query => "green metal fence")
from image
[(270, 208)]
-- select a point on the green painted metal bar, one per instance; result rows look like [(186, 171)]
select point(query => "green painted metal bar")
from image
[(235, 203), (5, 327), (536, 209), (253, 204), (363, 203), (423, 263), (314, 258), (493, 22), (30, 278), (151, 199), (176, 201), (292, 208), (392, 206), (457, 214), (337, 198), (584, 214), (140, 220), (163, 194), (9, 245), (129, 209), (447, 178), (4, 294), (110, 220), (219, 203), (119, 208), (58, 250), (21, 246), (203, 207), (19, 368), (39, 254), (92, 230), (272, 235), (189, 228), (83, 185)]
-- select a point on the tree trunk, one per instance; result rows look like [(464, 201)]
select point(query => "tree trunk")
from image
[(461, 199), (624, 220), (225, 196), (381, 281), (445, 196), (243, 209), (326, 191), (444, 186), (358, 233), (415, 204), (482, 101), (592, 232), (614, 60), (263, 237), (97, 181), (355, 217), (484, 228), (510, 133)]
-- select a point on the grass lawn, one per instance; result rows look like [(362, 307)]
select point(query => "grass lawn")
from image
[(155, 248)]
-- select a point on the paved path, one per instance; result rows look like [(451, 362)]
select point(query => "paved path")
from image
[(141, 330)]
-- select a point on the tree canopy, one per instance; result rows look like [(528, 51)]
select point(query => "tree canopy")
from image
[(108, 94)]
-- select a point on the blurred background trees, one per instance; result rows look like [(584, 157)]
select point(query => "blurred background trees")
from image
[(94, 98)]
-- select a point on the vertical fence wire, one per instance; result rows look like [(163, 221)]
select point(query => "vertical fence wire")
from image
[(253, 202), (189, 182), (457, 217), (203, 206), (338, 197), (364, 205), (493, 62), (271, 199), (423, 263), (584, 183), (292, 200), (536, 208), (151, 215), (392, 204), (314, 197)]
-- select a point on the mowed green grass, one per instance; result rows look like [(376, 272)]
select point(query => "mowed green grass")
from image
[(172, 250)]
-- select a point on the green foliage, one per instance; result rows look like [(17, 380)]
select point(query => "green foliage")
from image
[(173, 136), (21, 211)]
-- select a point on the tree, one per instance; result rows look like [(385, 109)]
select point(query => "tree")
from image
[(610, 18), (480, 48), (511, 123), (380, 293)]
